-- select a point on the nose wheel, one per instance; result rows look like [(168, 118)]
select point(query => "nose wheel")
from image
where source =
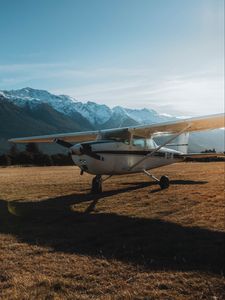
[(96, 184)]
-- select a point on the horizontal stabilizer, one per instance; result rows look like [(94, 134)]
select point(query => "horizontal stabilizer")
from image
[(203, 155)]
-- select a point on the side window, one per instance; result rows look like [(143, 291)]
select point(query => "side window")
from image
[(139, 142), (127, 142)]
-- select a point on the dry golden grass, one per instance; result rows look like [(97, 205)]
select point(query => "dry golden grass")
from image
[(134, 241)]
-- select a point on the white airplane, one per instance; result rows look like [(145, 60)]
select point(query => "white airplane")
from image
[(131, 149)]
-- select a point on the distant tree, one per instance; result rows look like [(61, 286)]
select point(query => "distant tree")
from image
[(24, 158), (13, 153), (47, 160), (33, 156), (55, 159), (37, 159), (209, 151), (40, 159), (61, 159), (5, 160), (32, 148)]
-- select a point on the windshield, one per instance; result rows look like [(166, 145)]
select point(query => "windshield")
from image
[(151, 144), (139, 142)]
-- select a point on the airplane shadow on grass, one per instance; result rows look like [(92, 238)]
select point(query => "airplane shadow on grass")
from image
[(153, 244), (172, 182)]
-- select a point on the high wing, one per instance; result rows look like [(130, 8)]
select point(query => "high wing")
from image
[(174, 127), (185, 125), (73, 136), (67, 137)]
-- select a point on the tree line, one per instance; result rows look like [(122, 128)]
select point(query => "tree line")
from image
[(32, 155)]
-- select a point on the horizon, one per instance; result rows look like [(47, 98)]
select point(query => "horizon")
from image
[(166, 56)]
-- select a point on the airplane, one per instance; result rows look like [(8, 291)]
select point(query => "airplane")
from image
[(129, 150)]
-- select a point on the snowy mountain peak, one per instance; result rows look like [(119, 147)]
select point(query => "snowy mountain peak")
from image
[(119, 110), (67, 97), (28, 93), (96, 114)]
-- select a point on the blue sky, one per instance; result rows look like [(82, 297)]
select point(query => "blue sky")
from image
[(162, 54)]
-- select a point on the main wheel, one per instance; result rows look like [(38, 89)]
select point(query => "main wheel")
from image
[(164, 182), (96, 185)]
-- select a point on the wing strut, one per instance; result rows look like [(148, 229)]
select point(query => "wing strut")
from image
[(159, 147)]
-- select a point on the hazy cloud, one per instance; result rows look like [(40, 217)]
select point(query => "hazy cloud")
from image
[(193, 93)]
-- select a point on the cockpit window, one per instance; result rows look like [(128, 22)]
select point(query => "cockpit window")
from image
[(123, 136), (144, 143), (139, 142)]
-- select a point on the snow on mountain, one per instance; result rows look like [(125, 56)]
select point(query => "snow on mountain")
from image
[(119, 111), (96, 114), (141, 116), (33, 97), (146, 116)]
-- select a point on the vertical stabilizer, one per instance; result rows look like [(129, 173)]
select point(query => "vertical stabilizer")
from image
[(180, 143)]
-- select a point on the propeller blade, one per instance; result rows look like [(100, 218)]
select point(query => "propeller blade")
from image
[(86, 149), (63, 143)]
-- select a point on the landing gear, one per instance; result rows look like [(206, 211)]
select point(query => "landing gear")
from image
[(163, 182), (96, 184)]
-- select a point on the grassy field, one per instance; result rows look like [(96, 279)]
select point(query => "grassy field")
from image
[(134, 241)]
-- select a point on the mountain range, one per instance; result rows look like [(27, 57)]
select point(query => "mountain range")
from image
[(28, 111)]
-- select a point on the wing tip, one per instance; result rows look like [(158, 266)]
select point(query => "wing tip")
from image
[(11, 140)]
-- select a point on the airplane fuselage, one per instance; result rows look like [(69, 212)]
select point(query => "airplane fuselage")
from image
[(130, 149), (116, 158)]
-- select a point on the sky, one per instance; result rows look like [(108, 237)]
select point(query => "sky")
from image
[(162, 54)]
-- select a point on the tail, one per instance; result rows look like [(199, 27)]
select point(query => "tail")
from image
[(180, 143), (204, 155)]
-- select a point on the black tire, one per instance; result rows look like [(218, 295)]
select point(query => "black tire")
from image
[(96, 185), (164, 182)]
